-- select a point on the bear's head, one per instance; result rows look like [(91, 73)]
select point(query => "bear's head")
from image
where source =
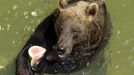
[(74, 24)]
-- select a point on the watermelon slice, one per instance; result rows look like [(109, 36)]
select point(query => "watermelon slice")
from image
[(36, 53)]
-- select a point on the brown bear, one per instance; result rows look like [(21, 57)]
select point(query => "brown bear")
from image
[(82, 24), (71, 36)]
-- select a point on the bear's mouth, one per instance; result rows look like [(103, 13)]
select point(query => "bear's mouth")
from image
[(61, 53)]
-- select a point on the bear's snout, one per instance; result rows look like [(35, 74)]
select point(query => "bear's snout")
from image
[(64, 47), (61, 49)]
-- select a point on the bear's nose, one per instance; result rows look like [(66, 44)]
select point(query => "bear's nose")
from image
[(61, 50)]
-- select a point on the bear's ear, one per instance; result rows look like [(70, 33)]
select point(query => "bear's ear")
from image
[(92, 9), (62, 4)]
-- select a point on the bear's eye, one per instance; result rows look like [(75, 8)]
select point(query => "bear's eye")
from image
[(75, 33), (60, 30)]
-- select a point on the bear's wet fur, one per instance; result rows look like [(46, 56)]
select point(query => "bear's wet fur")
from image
[(88, 25)]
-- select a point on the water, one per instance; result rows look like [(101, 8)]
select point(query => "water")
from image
[(18, 18)]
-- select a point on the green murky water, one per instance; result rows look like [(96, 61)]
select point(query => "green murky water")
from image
[(18, 18)]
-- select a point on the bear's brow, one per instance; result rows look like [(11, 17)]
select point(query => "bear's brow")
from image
[(75, 29)]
